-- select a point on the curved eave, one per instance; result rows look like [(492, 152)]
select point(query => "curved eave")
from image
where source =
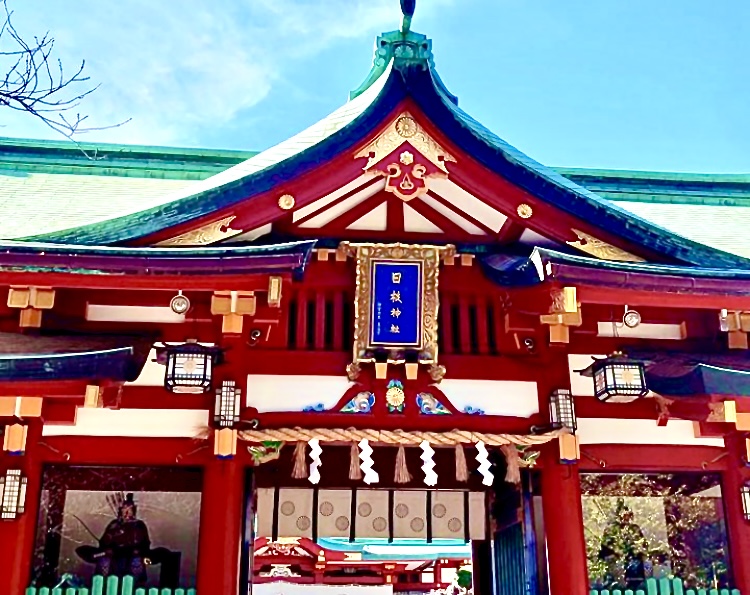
[(544, 183), (103, 260), (285, 162), (549, 265), (118, 364)]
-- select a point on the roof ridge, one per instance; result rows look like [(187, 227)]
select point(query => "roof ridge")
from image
[(79, 147)]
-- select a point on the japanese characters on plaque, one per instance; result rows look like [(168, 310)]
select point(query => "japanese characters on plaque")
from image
[(396, 304)]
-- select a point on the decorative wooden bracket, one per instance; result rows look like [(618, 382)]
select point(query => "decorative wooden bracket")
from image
[(564, 313), (736, 325), (225, 443), (726, 412), (274, 292), (14, 440), (92, 398), (21, 407), (381, 370), (234, 306), (31, 301), (340, 254), (411, 368), (570, 448), (465, 260), (740, 420)]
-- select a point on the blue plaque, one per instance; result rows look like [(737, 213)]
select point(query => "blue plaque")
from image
[(396, 303)]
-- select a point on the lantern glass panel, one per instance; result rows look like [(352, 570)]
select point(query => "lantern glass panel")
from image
[(562, 410), (12, 494), (189, 368), (619, 381), (227, 412), (745, 493)]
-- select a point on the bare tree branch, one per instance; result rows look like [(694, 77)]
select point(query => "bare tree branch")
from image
[(36, 83)]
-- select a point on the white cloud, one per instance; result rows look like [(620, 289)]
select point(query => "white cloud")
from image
[(175, 67)]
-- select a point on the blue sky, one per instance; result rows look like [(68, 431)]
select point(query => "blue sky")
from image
[(622, 84)]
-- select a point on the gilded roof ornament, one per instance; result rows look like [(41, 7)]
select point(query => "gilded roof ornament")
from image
[(601, 249), (205, 235), (400, 131), (407, 156)]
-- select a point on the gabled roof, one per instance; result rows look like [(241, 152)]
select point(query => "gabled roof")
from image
[(49, 186), (403, 72), (62, 187)]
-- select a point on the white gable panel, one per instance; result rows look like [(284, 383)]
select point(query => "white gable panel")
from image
[(329, 214), (468, 203), (375, 220), (329, 198), (464, 224), (416, 222)]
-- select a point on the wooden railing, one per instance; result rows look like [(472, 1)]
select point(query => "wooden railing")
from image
[(109, 586), (666, 587)]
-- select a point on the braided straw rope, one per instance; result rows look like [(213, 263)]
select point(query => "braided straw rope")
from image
[(398, 437)]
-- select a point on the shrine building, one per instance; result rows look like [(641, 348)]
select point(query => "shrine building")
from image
[(390, 354)]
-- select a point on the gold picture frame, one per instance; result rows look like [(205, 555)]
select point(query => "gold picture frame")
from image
[(429, 257)]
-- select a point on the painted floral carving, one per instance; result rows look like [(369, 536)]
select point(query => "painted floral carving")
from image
[(360, 403), (395, 397), (429, 405)]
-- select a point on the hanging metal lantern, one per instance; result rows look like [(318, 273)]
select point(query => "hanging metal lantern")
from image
[(227, 411), (562, 413), (745, 495), (12, 494), (189, 367), (618, 379)]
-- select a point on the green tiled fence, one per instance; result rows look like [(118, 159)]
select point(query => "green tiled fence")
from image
[(666, 587), (110, 586)]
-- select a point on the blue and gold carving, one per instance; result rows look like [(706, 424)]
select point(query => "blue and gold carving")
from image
[(395, 397), (396, 316), (360, 403), (429, 405), (396, 303)]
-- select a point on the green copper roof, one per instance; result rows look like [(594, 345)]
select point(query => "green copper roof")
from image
[(105, 159), (199, 195), (712, 209), (659, 187), (47, 186)]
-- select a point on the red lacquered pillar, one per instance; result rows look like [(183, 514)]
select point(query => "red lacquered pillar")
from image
[(563, 522), (17, 536), (221, 527), (737, 527)]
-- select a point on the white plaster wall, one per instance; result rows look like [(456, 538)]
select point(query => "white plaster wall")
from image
[(140, 423), (268, 392), (494, 397), (597, 430)]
